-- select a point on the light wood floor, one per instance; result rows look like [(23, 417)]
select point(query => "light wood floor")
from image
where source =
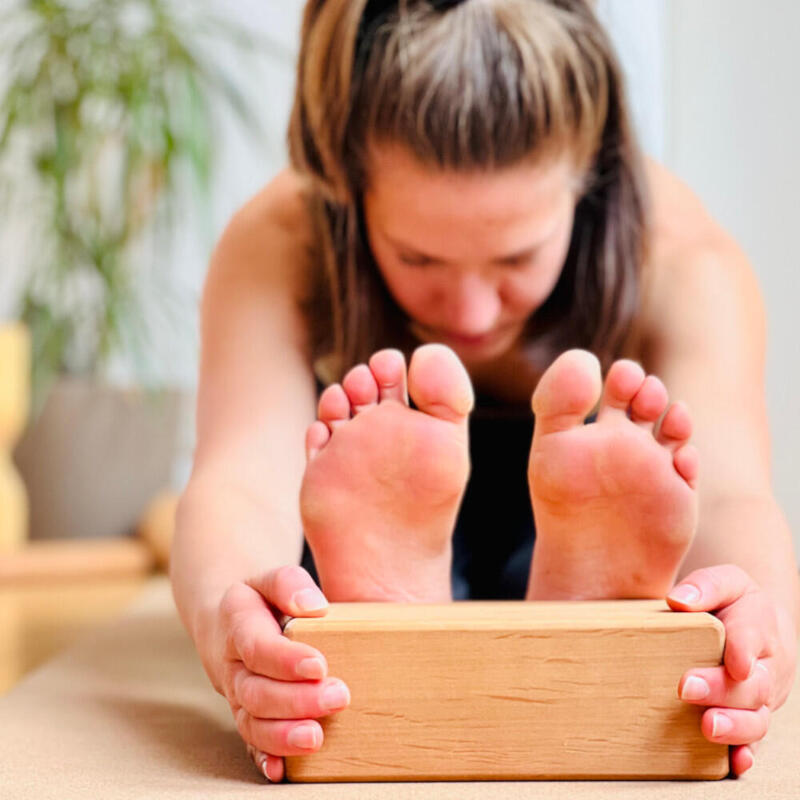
[(39, 620)]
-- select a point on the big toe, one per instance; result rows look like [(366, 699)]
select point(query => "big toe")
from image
[(567, 392), (439, 384)]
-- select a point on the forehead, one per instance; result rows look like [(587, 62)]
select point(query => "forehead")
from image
[(408, 198)]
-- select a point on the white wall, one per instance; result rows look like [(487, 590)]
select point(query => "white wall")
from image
[(733, 127)]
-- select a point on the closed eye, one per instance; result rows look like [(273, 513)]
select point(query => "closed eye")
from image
[(519, 260), (415, 260)]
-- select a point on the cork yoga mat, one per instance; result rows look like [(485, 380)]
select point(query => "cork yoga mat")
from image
[(129, 713)]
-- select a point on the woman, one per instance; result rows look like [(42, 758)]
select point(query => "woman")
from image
[(465, 191)]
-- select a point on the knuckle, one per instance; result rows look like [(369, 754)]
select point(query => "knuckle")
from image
[(247, 696), (764, 718), (715, 578), (243, 725), (297, 704), (286, 660), (231, 601), (229, 680), (289, 575), (247, 647)]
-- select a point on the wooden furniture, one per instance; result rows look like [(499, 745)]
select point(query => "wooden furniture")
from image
[(511, 691), (76, 560), (14, 401), (37, 620)]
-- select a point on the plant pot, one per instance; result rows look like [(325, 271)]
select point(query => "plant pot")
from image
[(96, 457)]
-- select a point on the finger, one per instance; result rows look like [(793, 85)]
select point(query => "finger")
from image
[(729, 589), (280, 737), (292, 591), (273, 655), (272, 699), (262, 761), (734, 726), (745, 623), (715, 687), (710, 588), (742, 758)]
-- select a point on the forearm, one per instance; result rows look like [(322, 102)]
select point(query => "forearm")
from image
[(224, 535), (751, 532)]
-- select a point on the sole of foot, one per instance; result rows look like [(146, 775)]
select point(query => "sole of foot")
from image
[(615, 500), (384, 481)]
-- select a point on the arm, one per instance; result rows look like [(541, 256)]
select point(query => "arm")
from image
[(704, 334), (239, 513), (709, 350)]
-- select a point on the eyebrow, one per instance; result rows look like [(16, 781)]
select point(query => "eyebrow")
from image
[(518, 255)]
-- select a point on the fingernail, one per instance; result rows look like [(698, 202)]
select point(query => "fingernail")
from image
[(685, 593), (309, 600), (337, 695), (695, 688), (311, 668), (721, 725), (262, 763), (752, 667), (304, 736)]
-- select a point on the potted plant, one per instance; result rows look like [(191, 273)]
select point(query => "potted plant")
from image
[(105, 128)]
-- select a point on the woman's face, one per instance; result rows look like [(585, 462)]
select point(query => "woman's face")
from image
[(468, 256)]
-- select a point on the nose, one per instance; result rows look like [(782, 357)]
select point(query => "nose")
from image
[(474, 306)]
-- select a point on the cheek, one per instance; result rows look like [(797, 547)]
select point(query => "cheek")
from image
[(411, 292), (528, 290)]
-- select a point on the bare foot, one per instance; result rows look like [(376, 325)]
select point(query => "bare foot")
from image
[(614, 501), (383, 482)]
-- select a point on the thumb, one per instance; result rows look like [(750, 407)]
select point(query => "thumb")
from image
[(710, 588), (291, 591)]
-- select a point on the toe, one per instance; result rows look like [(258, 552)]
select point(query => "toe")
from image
[(687, 464), (361, 388), (439, 384), (389, 369), (334, 406), (676, 427), (649, 402), (623, 381), (567, 392), (317, 437)]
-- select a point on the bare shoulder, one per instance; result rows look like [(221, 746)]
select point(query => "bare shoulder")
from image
[(269, 237), (699, 289)]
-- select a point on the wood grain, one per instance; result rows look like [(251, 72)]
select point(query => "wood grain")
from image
[(512, 691)]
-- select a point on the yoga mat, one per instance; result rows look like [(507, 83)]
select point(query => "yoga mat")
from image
[(129, 713)]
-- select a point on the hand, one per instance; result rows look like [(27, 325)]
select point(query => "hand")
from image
[(759, 658), (274, 692)]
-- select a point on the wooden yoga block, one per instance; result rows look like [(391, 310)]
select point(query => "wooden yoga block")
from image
[(509, 690)]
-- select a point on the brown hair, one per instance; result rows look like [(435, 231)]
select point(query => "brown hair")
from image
[(466, 85)]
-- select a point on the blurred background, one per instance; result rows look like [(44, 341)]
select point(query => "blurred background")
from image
[(171, 114)]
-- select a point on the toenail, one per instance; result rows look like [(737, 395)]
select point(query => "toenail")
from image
[(686, 593), (721, 725), (695, 688)]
